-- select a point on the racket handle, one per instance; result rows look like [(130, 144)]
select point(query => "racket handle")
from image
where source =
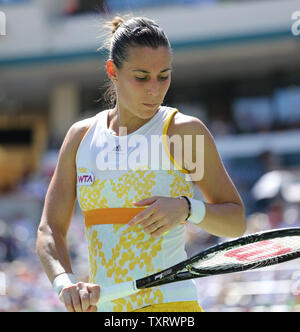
[(117, 291)]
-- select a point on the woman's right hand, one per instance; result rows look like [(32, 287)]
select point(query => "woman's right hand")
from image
[(80, 297)]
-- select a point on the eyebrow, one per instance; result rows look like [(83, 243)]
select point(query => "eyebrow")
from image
[(148, 72)]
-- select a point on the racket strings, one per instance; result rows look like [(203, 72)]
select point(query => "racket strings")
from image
[(257, 254)]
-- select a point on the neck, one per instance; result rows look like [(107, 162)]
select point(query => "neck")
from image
[(118, 120)]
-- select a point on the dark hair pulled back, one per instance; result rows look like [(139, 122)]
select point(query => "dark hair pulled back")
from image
[(134, 32)]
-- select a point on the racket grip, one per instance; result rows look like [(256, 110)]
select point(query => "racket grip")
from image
[(117, 291)]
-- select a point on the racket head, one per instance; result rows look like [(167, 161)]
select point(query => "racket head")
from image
[(248, 252), (241, 254)]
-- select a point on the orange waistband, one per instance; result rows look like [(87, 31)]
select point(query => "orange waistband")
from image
[(110, 216)]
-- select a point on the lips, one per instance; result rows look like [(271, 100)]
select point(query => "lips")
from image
[(150, 105)]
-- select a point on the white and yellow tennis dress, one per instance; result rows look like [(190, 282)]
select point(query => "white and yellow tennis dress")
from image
[(112, 172)]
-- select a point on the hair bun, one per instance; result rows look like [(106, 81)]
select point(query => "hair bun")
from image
[(115, 23)]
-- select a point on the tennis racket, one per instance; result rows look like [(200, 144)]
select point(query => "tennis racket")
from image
[(248, 252)]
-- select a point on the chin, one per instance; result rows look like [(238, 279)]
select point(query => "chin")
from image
[(149, 112)]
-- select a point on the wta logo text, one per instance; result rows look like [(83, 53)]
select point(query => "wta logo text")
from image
[(2, 24)]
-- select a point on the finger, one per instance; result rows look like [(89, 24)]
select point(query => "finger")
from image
[(76, 300), (84, 299), (152, 227), (147, 201), (66, 298), (92, 308), (141, 216), (94, 293), (160, 231), (153, 218)]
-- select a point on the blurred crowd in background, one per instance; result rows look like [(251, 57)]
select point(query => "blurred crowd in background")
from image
[(261, 107)]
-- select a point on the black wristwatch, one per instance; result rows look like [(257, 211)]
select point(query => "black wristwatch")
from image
[(189, 203)]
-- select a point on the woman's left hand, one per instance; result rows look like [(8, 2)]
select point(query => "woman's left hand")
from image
[(163, 214)]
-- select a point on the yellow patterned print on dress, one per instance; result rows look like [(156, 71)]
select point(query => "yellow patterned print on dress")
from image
[(93, 246), (90, 197), (180, 186), (139, 181), (131, 248), (144, 298), (135, 250)]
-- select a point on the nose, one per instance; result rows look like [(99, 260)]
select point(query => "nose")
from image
[(153, 88)]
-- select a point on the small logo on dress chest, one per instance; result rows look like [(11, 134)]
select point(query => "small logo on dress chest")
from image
[(117, 148), (85, 179)]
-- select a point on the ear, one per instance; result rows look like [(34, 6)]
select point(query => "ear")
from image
[(110, 67)]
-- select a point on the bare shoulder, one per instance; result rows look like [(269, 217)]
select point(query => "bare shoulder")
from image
[(183, 124), (75, 134), (79, 128), (190, 126)]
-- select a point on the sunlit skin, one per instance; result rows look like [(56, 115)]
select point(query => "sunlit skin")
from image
[(144, 79)]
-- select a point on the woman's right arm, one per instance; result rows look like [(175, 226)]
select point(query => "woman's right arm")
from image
[(57, 213)]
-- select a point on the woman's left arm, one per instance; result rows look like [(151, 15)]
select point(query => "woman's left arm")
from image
[(225, 211)]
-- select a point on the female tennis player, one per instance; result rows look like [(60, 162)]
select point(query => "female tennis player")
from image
[(135, 209)]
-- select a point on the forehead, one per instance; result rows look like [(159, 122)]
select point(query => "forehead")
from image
[(149, 59)]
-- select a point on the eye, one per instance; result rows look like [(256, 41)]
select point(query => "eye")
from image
[(163, 78), (141, 78)]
